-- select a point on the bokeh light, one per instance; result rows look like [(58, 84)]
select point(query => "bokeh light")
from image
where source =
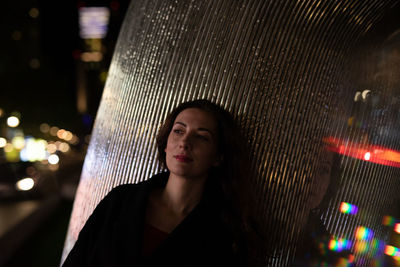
[(12, 121), (34, 12), (53, 159), (35, 150), (25, 184), (3, 142), (64, 147), (44, 128), (18, 142), (51, 148), (54, 130), (8, 148)]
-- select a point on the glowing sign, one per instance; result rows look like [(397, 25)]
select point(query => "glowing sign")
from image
[(93, 22), (348, 208), (363, 233)]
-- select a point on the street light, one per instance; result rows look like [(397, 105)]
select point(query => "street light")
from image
[(12, 121)]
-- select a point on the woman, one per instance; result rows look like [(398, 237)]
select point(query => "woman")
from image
[(313, 247), (195, 214)]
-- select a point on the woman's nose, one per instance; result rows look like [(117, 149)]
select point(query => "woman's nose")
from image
[(185, 142)]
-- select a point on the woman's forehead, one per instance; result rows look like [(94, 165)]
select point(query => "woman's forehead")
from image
[(195, 117)]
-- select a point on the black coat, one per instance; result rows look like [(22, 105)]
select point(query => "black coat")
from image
[(113, 234)]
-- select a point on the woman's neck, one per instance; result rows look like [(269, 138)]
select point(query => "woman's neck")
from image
[(182, 194)]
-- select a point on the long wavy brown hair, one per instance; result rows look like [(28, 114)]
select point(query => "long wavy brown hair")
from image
[(233, 176)]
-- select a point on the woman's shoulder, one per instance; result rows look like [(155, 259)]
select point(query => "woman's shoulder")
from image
[(125, 190)]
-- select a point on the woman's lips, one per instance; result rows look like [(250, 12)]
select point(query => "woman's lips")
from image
[(183, 158)]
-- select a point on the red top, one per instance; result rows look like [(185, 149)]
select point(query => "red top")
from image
[(152, 238)]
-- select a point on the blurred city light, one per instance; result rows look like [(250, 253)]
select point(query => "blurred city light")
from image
[(54, 130), (8, 148), (348, 208), (93, 22), (34, 12), (35, 150), (3, 142), (60, 133), (51, 148), (367, 156), (18, 142), (12, 121), (53, 159), (25, 184), (44, 128), (64, 147), (91, 56)]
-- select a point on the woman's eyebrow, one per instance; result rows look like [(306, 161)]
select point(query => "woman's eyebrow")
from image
[(206, 130), (181, 123)]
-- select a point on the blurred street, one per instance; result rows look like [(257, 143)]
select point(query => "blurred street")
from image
[(33, 224), (53, 65)]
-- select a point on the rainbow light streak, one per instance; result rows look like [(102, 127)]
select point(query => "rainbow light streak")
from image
[(372, 153), (388, 220), (363, 233), (348, 208), (343, 262), (392, 251), (339, 244), (377, 247), (361, 246), (397, 228)]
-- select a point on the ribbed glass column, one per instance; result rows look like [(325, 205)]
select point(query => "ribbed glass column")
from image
[(284, 68)]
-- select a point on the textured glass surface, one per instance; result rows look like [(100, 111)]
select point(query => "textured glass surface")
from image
[(308, 82)]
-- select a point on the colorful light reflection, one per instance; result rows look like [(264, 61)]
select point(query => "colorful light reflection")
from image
[(397, 228), (367, 152), (348, 208), (339, 244), (363, 233), (388, 220), (392, 251)]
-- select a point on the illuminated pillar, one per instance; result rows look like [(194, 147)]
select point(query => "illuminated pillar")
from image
[(279, 66)]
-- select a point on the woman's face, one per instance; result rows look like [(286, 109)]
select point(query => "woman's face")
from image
[(321, 180), (192, 144)]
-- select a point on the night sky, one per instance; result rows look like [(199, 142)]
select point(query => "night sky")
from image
[(38, 62)]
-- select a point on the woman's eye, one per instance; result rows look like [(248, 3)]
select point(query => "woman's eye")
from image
[(202, 137), (178, 131)]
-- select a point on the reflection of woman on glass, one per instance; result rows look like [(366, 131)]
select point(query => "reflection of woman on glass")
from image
[(196, 214), (313, 246)]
